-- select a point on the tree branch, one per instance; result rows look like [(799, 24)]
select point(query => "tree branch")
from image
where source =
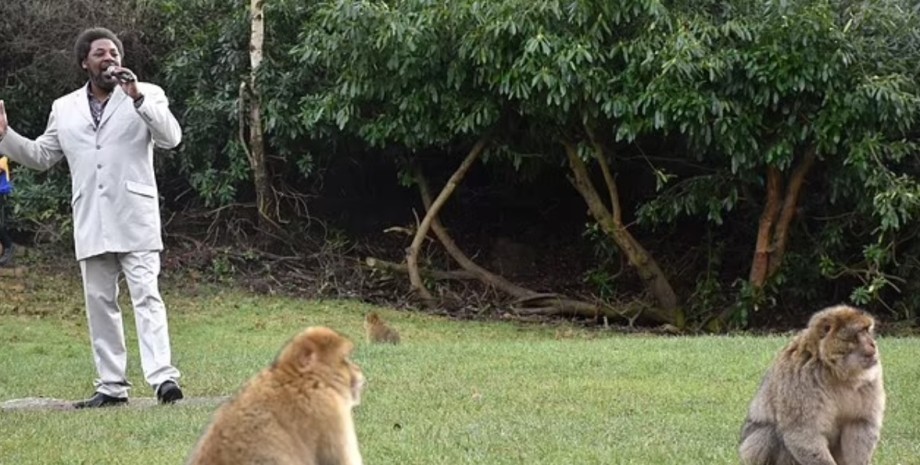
[(790, 204), (609, 180), (761, 262), (454, 251), (413, 249)]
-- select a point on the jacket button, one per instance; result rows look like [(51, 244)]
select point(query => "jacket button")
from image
[(100, 186), (99, 166), (98, 147)]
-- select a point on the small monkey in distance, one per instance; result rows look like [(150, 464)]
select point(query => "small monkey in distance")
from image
[(822, 401), (378, 331)]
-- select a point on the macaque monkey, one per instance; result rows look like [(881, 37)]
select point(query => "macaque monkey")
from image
[(378, 331), (822, 401), (296, 412)]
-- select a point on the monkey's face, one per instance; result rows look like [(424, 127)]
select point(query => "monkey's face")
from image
[(856, 341), (865, 352)]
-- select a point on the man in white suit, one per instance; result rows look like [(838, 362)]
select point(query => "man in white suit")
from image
[(107, 130)]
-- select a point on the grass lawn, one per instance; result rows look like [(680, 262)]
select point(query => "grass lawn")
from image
[(452, 393)]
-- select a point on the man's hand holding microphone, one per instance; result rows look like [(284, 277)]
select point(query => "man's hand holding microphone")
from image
[(126, 79)]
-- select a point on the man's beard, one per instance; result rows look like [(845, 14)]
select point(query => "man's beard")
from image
[(106, 84)]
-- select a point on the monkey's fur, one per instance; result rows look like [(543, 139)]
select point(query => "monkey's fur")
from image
[(296, 412), (822, 401), (378, 331)]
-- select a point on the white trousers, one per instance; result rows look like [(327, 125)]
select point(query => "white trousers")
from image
[(106, 331)]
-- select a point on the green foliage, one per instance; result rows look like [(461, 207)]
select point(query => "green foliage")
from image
[(204, 74), (40, 203), (610, 262), (709, 295), (760, 84), (391, 74), (719, 90), (708, 196), (748, 85), (458, 72)]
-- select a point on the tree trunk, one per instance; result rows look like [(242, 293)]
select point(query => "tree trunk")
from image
[(777, 216), (656, 282), (787, 214), (761, 263), (256, 152), (412, 251)]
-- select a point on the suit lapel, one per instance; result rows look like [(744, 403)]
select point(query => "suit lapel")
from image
[(117, 98), (82, 102)]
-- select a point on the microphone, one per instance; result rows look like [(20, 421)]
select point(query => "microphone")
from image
[(123, 75)]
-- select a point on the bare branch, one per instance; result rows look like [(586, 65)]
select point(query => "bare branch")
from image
[(412, 251)]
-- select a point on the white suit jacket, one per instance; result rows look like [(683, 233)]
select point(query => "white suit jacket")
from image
[(114, 193)]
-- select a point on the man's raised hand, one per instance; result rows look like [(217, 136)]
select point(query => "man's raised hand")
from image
[(4, 124)]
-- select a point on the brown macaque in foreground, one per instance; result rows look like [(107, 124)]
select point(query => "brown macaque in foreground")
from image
[(822, 401), (378, 331), (296, 412)]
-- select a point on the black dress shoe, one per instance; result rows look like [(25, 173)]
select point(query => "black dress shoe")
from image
[(100, 400), (169, 393)]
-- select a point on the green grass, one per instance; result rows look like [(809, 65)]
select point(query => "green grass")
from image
[(453, 393)]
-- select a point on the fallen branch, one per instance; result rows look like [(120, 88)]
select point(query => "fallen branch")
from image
[(378, 264), (556, 305)]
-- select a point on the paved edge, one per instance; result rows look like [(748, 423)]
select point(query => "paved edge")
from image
[(47, 403)]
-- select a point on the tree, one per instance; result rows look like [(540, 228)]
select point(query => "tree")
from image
[(530, 77), (771, 90), (243, 142), (256, 151)]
